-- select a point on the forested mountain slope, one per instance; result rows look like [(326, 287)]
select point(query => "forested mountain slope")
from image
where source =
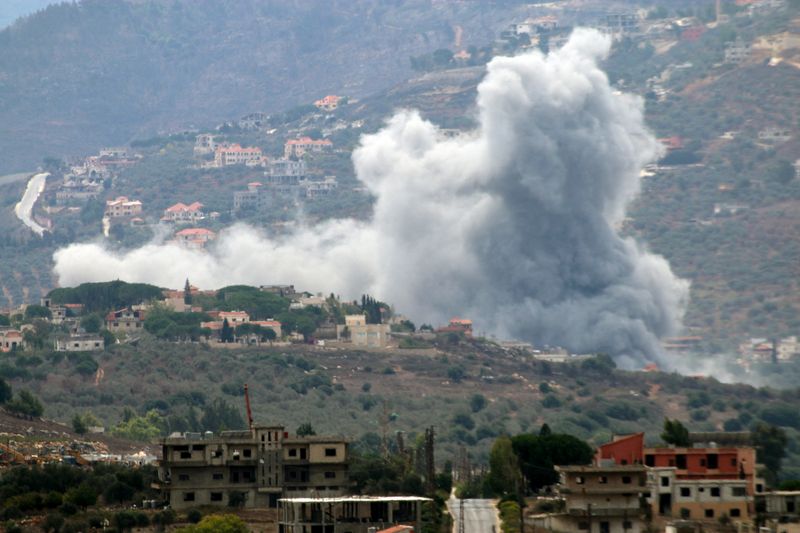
[(76, 76)]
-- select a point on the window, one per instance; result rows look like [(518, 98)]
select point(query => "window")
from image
[(292, 452), (713, 461), (183, 477), (626, 480), (738, 491), (736, 513), (216, 496), (627, 524), (330, 452), (188, 496), (664, 481), (649, 460), (217, 453), (186, 455), (685, 513), (217, 476), (733, 461), (247, 452), (330, 475), (672, 462), (603, 480), (709, 513), (702, 462), (686, 492), (680, 461), (583, 525), (579, 480), (715, 492), (790, 507)]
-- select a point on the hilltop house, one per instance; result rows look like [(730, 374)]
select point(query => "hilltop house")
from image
[(123, 207), (296, 148), (194, 237), (328, 103), (80, 343), (359, 333), (11, 339), (457, 325), (180, 212), (233, 154), (125, 320), (204, 144)]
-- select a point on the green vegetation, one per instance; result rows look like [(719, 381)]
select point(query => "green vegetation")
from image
[(107, 295)]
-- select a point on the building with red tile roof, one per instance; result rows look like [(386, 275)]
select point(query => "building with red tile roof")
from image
[(194, 237), (233, 154), (328, 103), (184, 213), (298, 147)]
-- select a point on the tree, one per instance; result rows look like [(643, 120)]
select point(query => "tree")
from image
[(226, 333), (37, 311), (118, 492), (83, 496), (770, 443), (504, 474), (78, 425), (477, 402), (305, 430), (26, 404), (92, 323), (6, 393), (675, 433), (187, 293), (538, 454)]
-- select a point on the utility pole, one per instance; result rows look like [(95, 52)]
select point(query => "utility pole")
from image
[(461, 527)]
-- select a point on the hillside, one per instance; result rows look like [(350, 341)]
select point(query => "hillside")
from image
[(99, 72), (471, 392)]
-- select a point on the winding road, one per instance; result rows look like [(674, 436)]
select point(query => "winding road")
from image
[(24, 209)]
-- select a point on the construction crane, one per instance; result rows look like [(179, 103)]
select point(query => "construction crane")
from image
[(247, 404), (16, 457)]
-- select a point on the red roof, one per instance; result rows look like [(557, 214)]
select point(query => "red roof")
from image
[(266, 323), (195, 231), (398, 529), (179, 207)]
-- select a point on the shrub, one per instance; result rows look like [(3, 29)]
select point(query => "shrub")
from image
[(551, 402), (194, 516)]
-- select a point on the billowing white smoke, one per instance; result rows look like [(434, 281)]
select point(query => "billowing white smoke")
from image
[(512, 224)]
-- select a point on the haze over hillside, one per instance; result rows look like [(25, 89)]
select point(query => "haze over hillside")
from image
[(104, 71)]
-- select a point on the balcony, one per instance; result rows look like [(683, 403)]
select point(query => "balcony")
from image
[(606, 511)]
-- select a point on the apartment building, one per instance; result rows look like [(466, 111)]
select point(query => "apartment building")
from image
[(708, 500), (123, 207), (253, 468), (780, 510), (599, 499)]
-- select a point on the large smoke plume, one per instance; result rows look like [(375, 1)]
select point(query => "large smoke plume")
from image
[(512, 224)]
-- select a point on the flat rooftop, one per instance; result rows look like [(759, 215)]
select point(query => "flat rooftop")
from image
[(357, 499)]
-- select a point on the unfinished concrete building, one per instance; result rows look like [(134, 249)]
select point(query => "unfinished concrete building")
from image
[(252, 468), (349, 514)]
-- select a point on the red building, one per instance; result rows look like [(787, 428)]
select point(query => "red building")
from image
[(710, 463)]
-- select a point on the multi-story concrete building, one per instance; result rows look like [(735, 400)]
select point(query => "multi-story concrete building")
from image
[(350, 514), (599, 499), (125, 320), (80, 343), (697, 499), (299, 147), (123, 207), (253, 467), (359, 333), (780, 510), (234, 154)]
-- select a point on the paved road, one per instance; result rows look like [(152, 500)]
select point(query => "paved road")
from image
[(24, 208), (480, 516)]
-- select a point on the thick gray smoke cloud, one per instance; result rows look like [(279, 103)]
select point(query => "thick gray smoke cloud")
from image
[(511, 224)]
